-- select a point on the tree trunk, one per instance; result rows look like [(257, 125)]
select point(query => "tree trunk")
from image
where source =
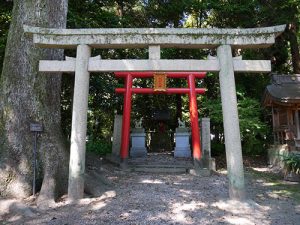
[(292, 31), (28, 96)]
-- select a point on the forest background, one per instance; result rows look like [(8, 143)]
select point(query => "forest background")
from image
[(104, 103)]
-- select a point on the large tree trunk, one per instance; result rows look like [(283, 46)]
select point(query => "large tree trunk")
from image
[(292, 31), (27, 96)]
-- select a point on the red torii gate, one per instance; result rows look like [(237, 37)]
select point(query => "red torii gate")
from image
[(191, 90)]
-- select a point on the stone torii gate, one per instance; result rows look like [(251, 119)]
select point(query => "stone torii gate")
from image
[(224, 40)]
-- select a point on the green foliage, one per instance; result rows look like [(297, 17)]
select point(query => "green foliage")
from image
[(99, 146), (5, 18), (291, 162), (253, 129)]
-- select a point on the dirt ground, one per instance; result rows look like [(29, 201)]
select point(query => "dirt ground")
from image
[(143, 198)]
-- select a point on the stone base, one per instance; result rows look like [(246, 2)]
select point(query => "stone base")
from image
[(138, 148), (182, 148), (138, 152), (184, 152)]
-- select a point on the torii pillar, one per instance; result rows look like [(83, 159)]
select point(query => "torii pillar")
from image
[(231, 124), (79, 124)]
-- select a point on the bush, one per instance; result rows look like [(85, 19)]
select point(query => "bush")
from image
[(101, 147), (291, 162)]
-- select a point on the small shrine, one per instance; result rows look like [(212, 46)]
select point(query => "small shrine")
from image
[(283, 97)]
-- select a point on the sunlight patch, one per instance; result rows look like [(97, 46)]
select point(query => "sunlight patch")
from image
[(238, 207), (238, 220), (264, 169), (181, 209), (98, 205), (148, 181)]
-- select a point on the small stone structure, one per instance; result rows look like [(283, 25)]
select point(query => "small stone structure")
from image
[(182, 143), (116, 144), (207, 161), (138, 141)]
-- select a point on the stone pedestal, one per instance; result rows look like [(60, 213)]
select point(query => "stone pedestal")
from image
[(182, 144), (138, 143), (205, 143)]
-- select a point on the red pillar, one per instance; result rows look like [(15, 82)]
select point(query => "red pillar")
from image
[(194, 118), (126, 118)]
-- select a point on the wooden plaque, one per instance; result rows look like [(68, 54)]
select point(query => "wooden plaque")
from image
[(160, 82)]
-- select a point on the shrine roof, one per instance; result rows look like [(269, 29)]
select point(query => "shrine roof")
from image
[(284, 89)]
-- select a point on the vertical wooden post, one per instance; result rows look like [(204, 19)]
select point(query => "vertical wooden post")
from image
[(79, 123), (297, 123), (126, 119), (194, 119)]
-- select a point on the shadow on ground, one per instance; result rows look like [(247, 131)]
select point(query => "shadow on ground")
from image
[(140, 198)]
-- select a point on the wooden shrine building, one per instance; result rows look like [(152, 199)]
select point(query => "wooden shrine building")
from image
[(283, 97)]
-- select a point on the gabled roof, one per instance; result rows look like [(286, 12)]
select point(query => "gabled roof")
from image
[(284, 89)]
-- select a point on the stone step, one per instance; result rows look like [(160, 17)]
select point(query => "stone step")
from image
[(161, 165), (160, 168)]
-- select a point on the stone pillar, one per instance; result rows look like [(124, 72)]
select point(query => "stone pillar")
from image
[(231, 124), (205, 142), (79, 123), (116, 145)]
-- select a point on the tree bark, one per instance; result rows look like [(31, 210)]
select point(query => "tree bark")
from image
[(292, 31), (27, 96)]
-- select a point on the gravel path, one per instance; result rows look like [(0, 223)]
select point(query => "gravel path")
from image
[(140, 198)]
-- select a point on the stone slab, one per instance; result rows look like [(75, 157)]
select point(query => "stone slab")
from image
[(160, 170), (116, 144), (165, 37), (205, 142), (253, 66)]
